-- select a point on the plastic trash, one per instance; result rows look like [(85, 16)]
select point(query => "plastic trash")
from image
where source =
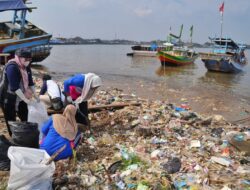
[(37, 113), (142, 187), (225, 148), (172, 166), (156, 140), (179, 109), (24, 134), (222, 161), (121, 184), (195, 144), (28, 170), (239, 137), (114, 167), (4, 160)]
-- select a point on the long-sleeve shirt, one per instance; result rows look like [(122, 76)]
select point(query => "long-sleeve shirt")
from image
[(76, 80), (14, 76), (52, 141)]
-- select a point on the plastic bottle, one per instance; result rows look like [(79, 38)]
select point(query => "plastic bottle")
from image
[(225, 148)]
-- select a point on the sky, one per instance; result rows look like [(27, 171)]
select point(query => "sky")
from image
[(142, 20)]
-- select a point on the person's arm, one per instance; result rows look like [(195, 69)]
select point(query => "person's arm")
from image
[(44, 88), (14, 77), (46, 126), (30, 78)]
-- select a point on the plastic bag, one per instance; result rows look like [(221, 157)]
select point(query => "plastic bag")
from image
[(24, 134), (4, 160), (37, 113), (27, 169)]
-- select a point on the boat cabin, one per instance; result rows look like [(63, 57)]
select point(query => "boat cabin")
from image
[(19, 27)]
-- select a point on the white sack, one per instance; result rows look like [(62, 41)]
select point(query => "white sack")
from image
[(27, 169)]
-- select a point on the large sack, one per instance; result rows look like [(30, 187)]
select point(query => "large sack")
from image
[(24, 134), (28, 170), (37, 113), (4, 160)]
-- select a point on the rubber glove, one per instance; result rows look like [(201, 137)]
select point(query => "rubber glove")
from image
[(34, 92), (20, 94)]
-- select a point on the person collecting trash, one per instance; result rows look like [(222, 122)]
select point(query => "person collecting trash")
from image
[(18, 87), (79, 89), (60, 130), (54, 97)]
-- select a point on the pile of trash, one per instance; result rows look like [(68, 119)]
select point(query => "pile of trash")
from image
[(156, 146)]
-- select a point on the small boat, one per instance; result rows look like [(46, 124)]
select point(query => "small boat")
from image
[(226, 56), (20, 33), (177, 55), (146, 50)]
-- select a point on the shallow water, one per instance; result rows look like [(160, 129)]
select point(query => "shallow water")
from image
[(111, 62)]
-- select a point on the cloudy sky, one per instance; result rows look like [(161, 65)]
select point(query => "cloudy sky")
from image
[(142, 19)]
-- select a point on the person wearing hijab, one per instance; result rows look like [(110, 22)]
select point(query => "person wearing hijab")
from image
[(60, 130), (80, 88), (20, 87)]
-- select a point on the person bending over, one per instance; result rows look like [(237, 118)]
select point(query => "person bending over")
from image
[(60, 130), (81, 87)]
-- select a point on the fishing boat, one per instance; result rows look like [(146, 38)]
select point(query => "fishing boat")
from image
[(20, 33), (146, 50), (226, 56), (177, 54)]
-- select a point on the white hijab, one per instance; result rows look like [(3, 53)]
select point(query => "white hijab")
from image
[(91, 83)]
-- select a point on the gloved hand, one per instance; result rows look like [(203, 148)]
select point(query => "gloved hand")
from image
[(69, 99), (37, 99), (20, 94), (34, 93)]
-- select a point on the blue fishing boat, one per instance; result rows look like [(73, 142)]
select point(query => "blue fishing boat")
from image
[(226, 56), (20, 33)]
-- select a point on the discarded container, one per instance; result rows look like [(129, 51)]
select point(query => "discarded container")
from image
[(222, 161)]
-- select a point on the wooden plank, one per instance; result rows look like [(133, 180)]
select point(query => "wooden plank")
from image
[(101, 107)]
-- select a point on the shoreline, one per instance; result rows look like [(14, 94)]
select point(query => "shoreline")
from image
[(156, 133), (201, 99)]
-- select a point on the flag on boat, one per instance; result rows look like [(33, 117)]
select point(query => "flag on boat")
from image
[(191, 31), (222, 8)]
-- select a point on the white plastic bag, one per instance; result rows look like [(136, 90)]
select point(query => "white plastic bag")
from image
[(37, 113), (27, 169)]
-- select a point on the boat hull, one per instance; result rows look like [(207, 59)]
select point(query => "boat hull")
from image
[(223, 66), (169, 60), (39, 46), (145, 53)]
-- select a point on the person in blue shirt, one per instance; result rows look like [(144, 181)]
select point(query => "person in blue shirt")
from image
[(60, 130), (86, 85), (20, 87)]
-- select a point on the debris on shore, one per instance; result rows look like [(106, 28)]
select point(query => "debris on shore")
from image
[(155, 146)]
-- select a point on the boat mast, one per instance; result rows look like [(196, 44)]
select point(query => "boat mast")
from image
[(221, 21)]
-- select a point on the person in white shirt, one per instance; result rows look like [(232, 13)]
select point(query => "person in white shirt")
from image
[(54, 97)]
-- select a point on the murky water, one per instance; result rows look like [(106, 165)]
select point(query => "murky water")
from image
[(111, 62)]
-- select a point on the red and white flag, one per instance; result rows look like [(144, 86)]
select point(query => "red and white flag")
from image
[(222, 8)]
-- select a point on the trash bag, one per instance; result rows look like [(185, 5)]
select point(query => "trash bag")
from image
[(24, 134), (37, 113), (4, 160), (172, 166), (28, 170)]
